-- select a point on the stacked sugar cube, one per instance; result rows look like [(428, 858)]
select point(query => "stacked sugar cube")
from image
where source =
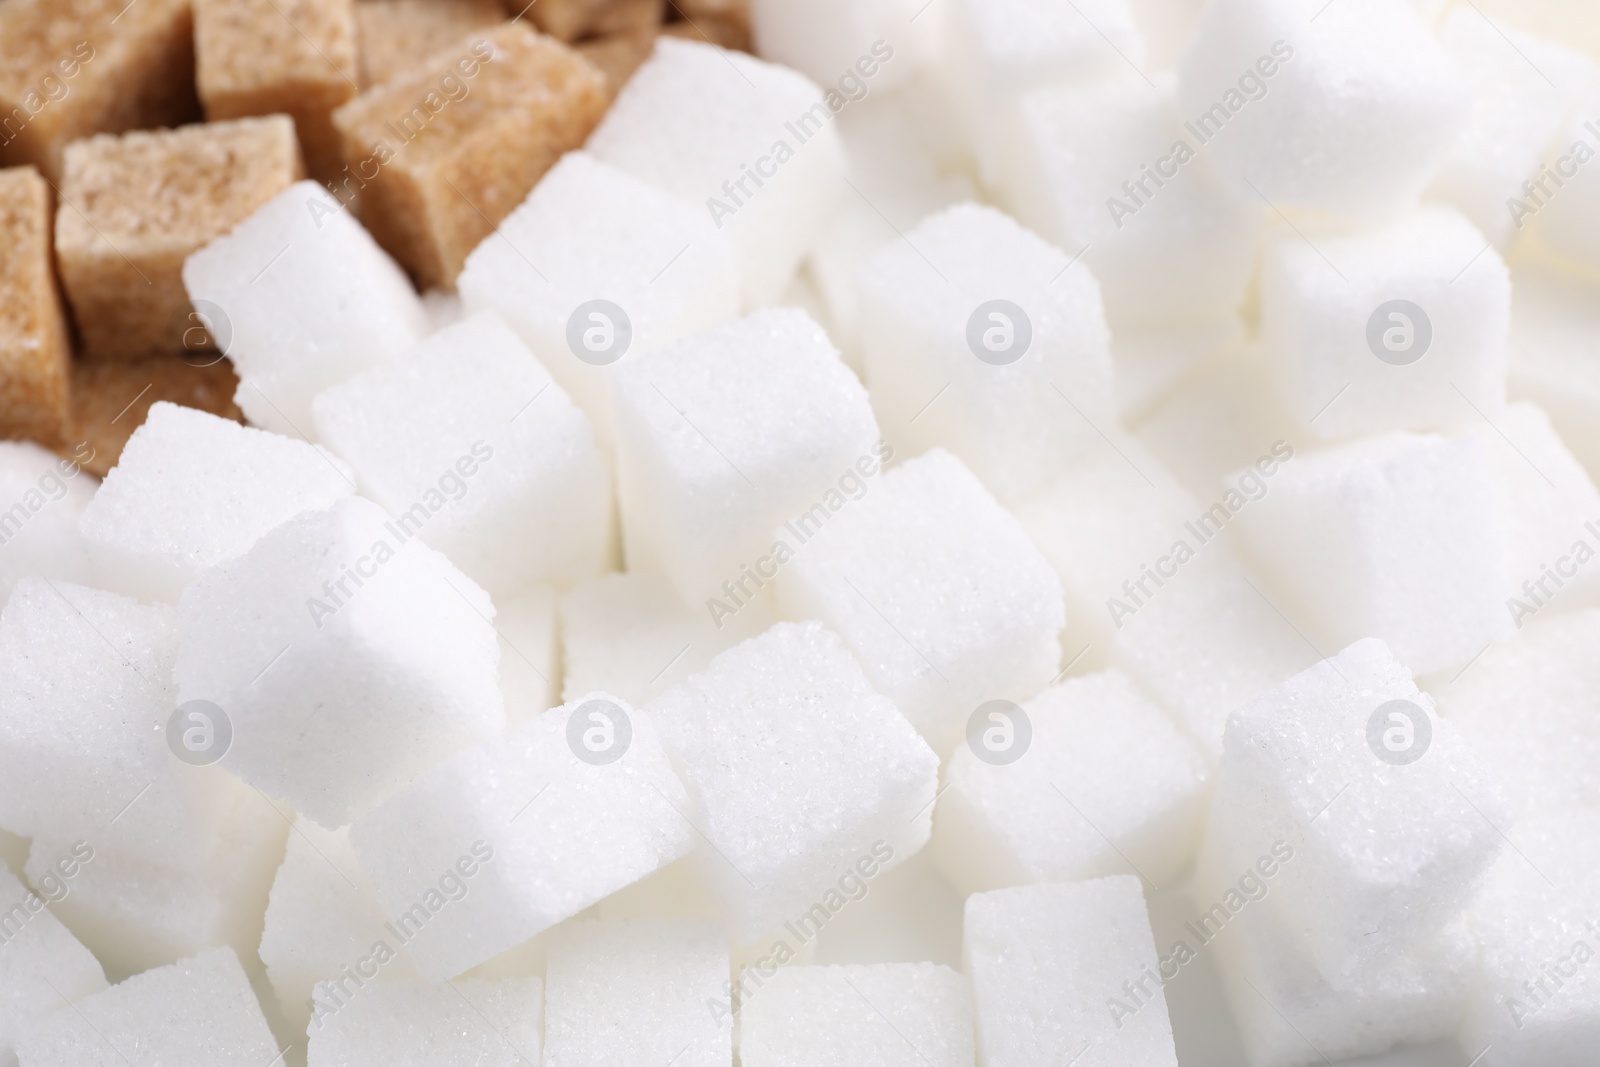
[(981, 533)]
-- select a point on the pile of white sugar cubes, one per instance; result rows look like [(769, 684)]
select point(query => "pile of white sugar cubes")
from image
[(1020, 533)]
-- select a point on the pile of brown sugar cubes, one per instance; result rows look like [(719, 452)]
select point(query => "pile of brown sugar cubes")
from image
[(131, 135)]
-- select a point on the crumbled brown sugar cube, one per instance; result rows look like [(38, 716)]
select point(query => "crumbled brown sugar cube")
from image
[(35, 354), (111, 400), (440, 156), (617, 56), (397, 36), (135, 206), (292, 57), (71, 68)]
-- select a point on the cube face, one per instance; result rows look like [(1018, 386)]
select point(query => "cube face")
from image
[(1516, 116), (600, 233), (322, 916), (996, 52), (297, 57), (1362, 108), (530, 654), (1530, 934), (397, 36), (528, 815), (1416, 329), (1528, 709), (1568, 218), (496, 1022), (1017, 351), (1172, 241), (1408, 544), (192, 490), (1043, 960), (1552, 315), (139, 204), (632, 635), (471, 446), (1413, 830), (311, 299), (895, 1014), (441, 155), (35, 354), (90, 66), (635, 992), (39, 953), (936, 590), (677, 126), (203, 1002), (727, 434), (1105, 782), (40, 526), (782, 739), (877, 39), (380, 652)]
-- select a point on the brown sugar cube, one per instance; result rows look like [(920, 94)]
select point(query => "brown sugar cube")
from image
[(571, 20), (111, 400), (135, 206), (629, 16), (71, 68), (617, 56), (712, 29), (441, 155), (291, 57), (35, 355), (397, 36)]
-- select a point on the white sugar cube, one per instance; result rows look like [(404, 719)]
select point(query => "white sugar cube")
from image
[(1106, 169), (631, 635), (1401, 328), (893, 1014), (1347, 108), (800, 774), (1206, 644), (529, 828), (530, 657), (1523, 90), (1153, 362), (1397, 537), (1551, 515), (1529, 708), (935, 588), (979, 337), (1066, 973), (1554, 317), (471, 446), (636, 993), (1101, 782), (136, 910), (1537, 999), (996, 50), (1563, 220), (42, 497), (323, 924), (161, 1016), (302, 298), (1391, 817), (1166, 26), (752, 142), (726, 435), (340, 643), (849, 47), (590, 231), (191, 490), (42, 966), (482, 1022)]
